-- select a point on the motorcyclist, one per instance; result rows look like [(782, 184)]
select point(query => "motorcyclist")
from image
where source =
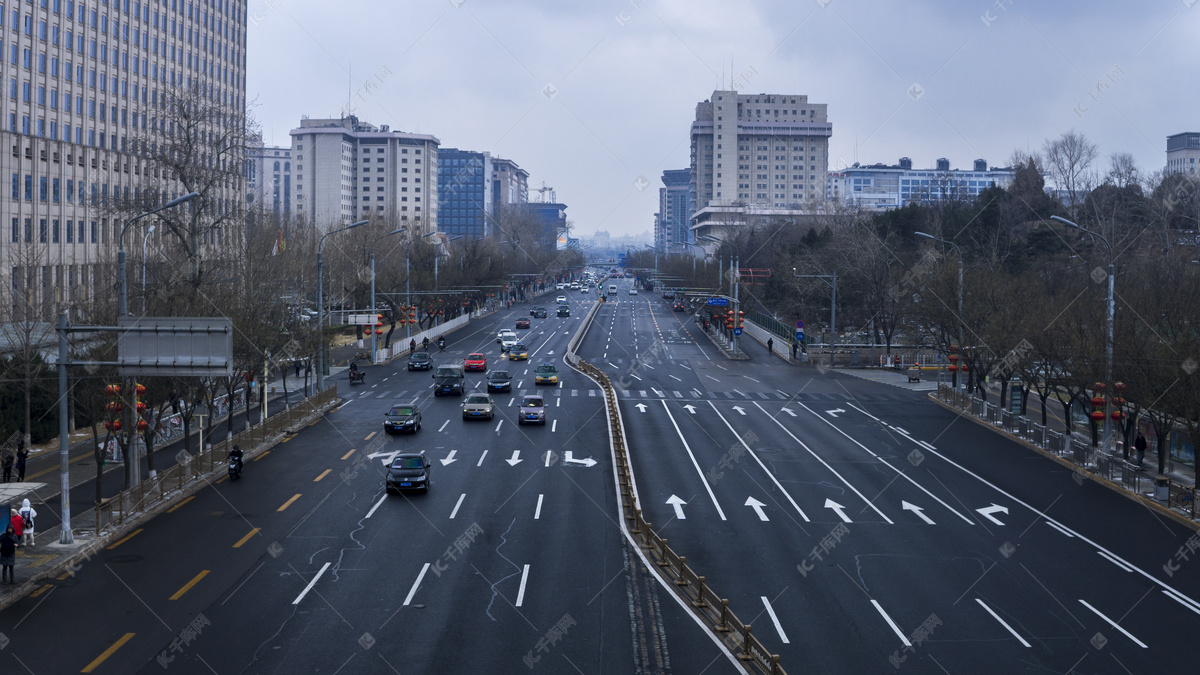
[(354, 367), (236, 455), (412, 345), (442, 343), (425, 342)]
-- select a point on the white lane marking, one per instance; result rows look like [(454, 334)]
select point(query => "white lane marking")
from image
[(553, 426), (443, 427), (537, 513), (635, 377), (521, 590), (889, 465), (826, 464), (521, 382), (480, 462), (675, 378), (510, 402), (712, 378), (377, 505), (775, 620), (1181, 600), (310, 584), (863, 411), (987, 512), (499, 424), (1060, 529), (695, 464), (1114, 561), (891, 623), (751, 379), (558, 403), (457, 504), (760, 464), (416, 584), (548, 339), (1114, 624), (720, 366), (1002, 622)]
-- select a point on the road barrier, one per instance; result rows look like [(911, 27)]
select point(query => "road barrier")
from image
[(1100, 463), (710, 607)]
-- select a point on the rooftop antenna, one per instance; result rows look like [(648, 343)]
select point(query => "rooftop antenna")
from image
[(349, 86)]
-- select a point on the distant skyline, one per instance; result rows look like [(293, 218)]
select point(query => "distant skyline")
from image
[(597, 100)]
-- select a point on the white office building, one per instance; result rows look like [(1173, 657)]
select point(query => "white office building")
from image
[(882, 187), (1183, 153), (269, 180)]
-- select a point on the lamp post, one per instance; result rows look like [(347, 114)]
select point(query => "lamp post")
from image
[(373, 343), (144, 238), (960, 295), (321, 301), (734, 274), (1108, 338), (407, 285), (122, 297), (831, 280)]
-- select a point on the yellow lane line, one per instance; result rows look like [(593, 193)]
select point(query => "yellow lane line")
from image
[(188, 586), (125, 538), (324, 473), (172, 509), (288, 502), (370, 435), (352, 451), (265, 453), (108, 652), (246, 538)]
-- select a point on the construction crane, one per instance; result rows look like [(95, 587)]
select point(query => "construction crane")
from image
[(542, 191)]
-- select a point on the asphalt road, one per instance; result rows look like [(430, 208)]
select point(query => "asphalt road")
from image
[(513, 562), (860, 527)]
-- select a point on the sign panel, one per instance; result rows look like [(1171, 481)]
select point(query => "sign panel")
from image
[(737, 331), (184, 346), (721, 302), (799, 335), (800, 325), (363, 319)]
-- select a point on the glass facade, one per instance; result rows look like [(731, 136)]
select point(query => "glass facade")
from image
[(464, 193)]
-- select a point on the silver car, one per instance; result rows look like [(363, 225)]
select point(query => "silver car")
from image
[(478, 406)]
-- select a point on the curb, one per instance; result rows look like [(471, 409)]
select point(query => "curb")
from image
[(1144, 501)]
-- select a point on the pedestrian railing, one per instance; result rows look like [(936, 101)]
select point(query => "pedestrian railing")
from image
[(710, 607), (1099, 462)]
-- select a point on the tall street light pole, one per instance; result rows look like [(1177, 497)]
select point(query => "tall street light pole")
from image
[(961, 323), (144, 238), (373, 342), (122, 296), (1108, 341), (321, 301), (407, 284), (831, 280)]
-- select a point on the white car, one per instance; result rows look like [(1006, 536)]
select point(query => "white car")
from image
[(633, 291), (559, 287), (574, 286), (584, 289), (507, 338), (562, 300)]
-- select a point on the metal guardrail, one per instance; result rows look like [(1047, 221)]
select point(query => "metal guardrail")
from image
[(1112, 467), (710, 607)]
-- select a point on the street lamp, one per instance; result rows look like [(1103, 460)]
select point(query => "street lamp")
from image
[(122, 298), (734, 270), (144, 238), (321, 300), (960, 295), (830, 279), (373, 315), (407, 285), (1110, 311)]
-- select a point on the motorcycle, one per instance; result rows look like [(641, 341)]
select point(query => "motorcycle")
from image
[(235, 469), (357, 377)]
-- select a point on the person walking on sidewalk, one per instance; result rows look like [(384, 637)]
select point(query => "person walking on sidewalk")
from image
[(8, 466), (771, 345), (18, 525), (27, 514), (8, 555), (1140, 446), (795, 346), (21, 457)]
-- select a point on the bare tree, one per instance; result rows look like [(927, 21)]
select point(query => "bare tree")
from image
[(1069, 158)]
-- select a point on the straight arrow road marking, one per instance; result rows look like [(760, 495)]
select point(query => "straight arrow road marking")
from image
[(449, 458), (987, 512), (457, 504), (641, 407), (788, 411), (838, 509), (775, 620), (515, 459), (757, 506), (741, 411), (834, 412), (917, 510), (695, 464), (690, 408)]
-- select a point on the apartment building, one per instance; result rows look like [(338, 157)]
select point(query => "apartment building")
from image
[(1183, 153), (269, 180)]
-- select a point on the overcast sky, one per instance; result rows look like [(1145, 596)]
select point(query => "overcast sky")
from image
[(590, 96)]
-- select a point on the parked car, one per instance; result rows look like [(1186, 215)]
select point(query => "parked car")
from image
[(546, 374), (475, 361), (522, 322), (499, 380), (564, 310), (402, 418), (478, 406), (518, 352), (408, 471), (533, 410), (420, 361), (668, 294)]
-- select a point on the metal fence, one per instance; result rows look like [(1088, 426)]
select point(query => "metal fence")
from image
[(1110, 466)]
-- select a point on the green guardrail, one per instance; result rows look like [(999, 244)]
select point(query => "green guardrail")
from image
[(783, 330)]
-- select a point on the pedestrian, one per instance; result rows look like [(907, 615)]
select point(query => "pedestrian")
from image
[(8, 555), (21, 457), (18, 525), (9, 460), (771, 345), (795, 346), (412, 346), (1140, 446), (27, 514), (296, 363)]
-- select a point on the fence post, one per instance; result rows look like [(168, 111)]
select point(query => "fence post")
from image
[(682, 580), (745, 655), (723, 626), (699, 602), (663, 562)]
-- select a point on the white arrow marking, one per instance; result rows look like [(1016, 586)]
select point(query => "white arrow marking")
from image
[(386, 456), (834, 412), (739, 409), (450, 458), (838, 509), (917, 510), (550, 353), (757, 506), (788, 411), (690, 408), (515, 459), (641, 407), (568, 458), (987, 512), (678, 504)]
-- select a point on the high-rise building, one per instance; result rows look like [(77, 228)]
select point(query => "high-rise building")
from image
[(84, 82), (672, 225), (553, 218), (1183, 153), (510, 183), (465, 192), (348, 170), (269, 180), (881, 187)]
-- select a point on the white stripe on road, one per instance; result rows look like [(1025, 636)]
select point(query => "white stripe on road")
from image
[(377, 505), (707, 487), (443, 427), (498, 425), (521, 591), (1181, 600), (775, 620), (1060, 529), (310, 584), (553, 426), (1114, 624), (480, 462), (1002, 622), (416, 584), (1114, 561), (537, 513), (760, 463), (886, 618), (675, 378), (457, 504)]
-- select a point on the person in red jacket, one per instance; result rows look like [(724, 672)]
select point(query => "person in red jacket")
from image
[(18, 525)]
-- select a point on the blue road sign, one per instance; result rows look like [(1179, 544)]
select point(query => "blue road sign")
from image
[(800, 325), (737, 331), (799, 335), (718, 301)]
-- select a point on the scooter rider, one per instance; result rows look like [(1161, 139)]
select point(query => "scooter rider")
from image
[(442, 343), (236, 455)]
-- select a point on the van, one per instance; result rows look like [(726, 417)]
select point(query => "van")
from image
[(612, 288), (449, 380)]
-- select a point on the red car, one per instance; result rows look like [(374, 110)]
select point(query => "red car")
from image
[(523, 322), (475, 362)]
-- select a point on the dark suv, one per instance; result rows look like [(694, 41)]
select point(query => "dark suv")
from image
[(408, 471), (420, 361)]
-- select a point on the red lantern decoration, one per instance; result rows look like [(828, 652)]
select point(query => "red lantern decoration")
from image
[(141, 406), (1099, 386), (1098, 401), (1119, 386), (1098, 415), (953, 357), (964, 368), (952, 368), (1117, 415), (379, 331), (142, 425), (114, 425), (1117, 400), (113, 406), (113, 390), (140, 389)]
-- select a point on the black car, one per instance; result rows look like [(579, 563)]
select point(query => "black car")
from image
[(408, 471), (402, 418), (564, 310), (499, 380), (539, 312), (420, 361)]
